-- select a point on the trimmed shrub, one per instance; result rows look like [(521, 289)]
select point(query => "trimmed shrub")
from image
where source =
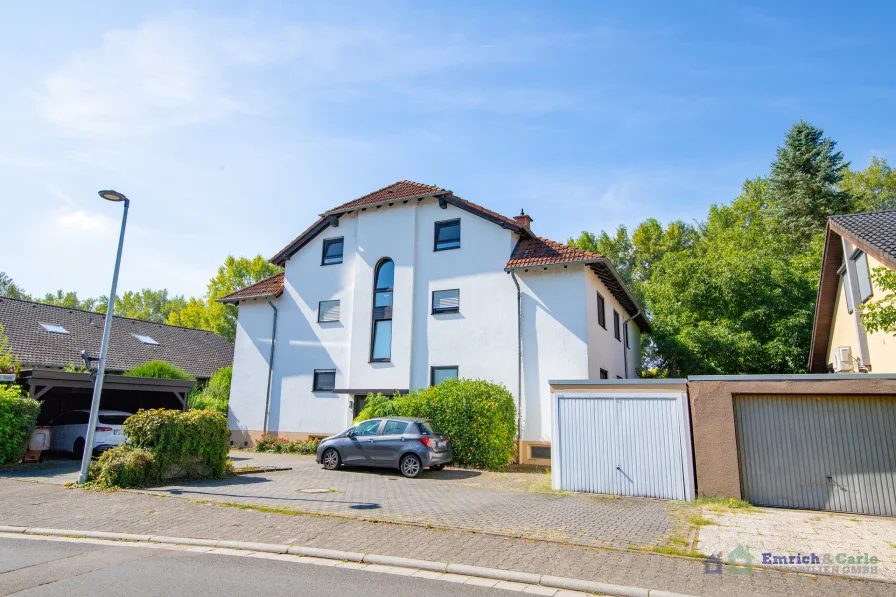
[(279, 445), (192, 445), (18, 415), (216, 393), (123, 466), (478, 416), (159, 370)]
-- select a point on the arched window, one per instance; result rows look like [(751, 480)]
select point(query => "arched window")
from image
[(381, 341)]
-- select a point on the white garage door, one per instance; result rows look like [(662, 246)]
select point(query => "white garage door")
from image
[(834, 453), (633, 444)]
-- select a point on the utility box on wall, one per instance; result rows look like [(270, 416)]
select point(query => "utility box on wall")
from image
[(622, 437)]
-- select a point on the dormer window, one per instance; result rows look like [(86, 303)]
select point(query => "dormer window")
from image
[(54, 328), (447, 235)]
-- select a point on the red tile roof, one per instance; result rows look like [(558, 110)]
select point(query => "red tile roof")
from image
[(403, 189), (269, 287), (535, 251)]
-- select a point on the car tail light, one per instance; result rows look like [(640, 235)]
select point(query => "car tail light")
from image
[(104, 429), (424, 441)]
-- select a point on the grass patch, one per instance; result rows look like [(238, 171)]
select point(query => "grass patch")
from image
[(726, 505), (699, 521), (674, 550)]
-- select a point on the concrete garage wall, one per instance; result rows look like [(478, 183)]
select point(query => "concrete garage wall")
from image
[(712, 416)]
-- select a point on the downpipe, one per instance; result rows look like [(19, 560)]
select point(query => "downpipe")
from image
[(519, 369), (267, 403)]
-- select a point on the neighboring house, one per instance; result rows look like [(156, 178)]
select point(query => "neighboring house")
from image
[(855, 245), (410, 285), (50, 337)]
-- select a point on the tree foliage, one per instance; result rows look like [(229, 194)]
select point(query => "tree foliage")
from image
[(874, 188), (879, 315), (803, 184), (9, 289)]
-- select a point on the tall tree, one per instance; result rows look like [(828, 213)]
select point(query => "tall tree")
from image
[(148, 304), (803, 185), (9, 289), (66, 299), (874, 188)]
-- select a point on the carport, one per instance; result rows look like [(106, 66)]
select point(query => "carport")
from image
[(62, 391)]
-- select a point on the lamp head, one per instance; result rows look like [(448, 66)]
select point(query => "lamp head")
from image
[(112, 196)]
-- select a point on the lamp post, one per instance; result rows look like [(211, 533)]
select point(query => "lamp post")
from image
[(104, 347)]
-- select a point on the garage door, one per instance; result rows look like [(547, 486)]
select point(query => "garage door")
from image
[(629, 444), (834, 453)]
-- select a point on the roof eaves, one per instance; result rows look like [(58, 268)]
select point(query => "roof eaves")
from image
[(302, 240), (345, 210), (237, 299), (828, 283), (861, 243)]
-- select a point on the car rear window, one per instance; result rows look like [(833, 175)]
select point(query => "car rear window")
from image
[(113, 419), (427, 428)]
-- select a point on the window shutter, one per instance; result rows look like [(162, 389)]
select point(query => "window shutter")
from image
[(329, 311), (865, 290), (445, 300)]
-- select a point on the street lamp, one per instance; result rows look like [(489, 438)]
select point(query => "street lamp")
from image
[(104, 347)]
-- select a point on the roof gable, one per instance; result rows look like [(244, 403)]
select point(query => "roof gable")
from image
[(874, 232), (269, 287), (198, 352)]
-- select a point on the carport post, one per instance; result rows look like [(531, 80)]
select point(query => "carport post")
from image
[(104, 347)]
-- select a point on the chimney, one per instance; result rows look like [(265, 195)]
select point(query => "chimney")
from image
[(523, 219)]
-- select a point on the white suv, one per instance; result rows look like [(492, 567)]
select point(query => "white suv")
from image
[(68, 432)]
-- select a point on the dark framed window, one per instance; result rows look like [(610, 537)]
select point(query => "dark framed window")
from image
[(616, 325), (395, 427), (439, 374), (625, 334), (327, 311), (445, 301), (601, 311), (381, 334), (447, 235), (324, 380), (604, 374), (540, 452), (332, 253)]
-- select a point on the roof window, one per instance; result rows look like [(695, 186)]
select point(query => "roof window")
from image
[(54, 328), (143, 338)]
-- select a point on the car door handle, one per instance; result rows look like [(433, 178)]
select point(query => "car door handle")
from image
[(370, 441), (402, 439)]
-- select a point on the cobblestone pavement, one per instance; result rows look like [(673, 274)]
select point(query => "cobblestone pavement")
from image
[(518, 504), (45, 505)]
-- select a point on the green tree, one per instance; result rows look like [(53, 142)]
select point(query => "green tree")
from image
[(617, 248), (66, 299), (9, 289), (874, 188), (879, 315), (147, 304), (8, 361), (208, 314), (803, 185)]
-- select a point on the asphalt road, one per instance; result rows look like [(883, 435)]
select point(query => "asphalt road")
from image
[(49, 568)]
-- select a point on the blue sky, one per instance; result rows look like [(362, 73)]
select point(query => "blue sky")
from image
[(231, 125)]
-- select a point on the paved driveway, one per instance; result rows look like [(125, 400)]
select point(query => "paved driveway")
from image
[(515, 504)]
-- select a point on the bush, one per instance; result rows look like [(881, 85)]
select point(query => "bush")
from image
[(18, 415), (159, 370), (216, 393), (279, 445), (478, 416), (124, 466), (192, 444)]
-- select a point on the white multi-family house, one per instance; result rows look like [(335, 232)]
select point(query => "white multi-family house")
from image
[(409, 285)]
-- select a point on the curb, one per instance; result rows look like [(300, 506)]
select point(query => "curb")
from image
[(554, 582)]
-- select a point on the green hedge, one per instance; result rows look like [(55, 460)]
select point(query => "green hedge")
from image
[(18, 415), (216, 393), (279, 445), (478, 416), (159, 370), (192, 444)]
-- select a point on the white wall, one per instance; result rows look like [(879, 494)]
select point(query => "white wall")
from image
[(604, 350), (251, 350), (555, 340)]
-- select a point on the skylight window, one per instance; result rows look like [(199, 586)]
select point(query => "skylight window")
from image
[(53, 328), (144, 339)]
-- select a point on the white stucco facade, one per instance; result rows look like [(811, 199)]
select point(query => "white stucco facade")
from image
[(561, 337)]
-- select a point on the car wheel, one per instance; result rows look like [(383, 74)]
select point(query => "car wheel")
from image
[(331, 460), (437, 467), (78, 448), (411, 466)]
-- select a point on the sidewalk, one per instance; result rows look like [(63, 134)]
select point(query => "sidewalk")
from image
[(41, 505)]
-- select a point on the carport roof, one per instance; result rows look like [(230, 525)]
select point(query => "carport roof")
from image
[(198, 352)]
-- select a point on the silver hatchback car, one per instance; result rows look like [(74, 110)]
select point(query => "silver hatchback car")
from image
[(410, 445)]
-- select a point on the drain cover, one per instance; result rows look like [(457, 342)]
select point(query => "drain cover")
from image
[(316, 490)]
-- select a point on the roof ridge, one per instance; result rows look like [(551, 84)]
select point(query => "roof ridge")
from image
[(167, 325)]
